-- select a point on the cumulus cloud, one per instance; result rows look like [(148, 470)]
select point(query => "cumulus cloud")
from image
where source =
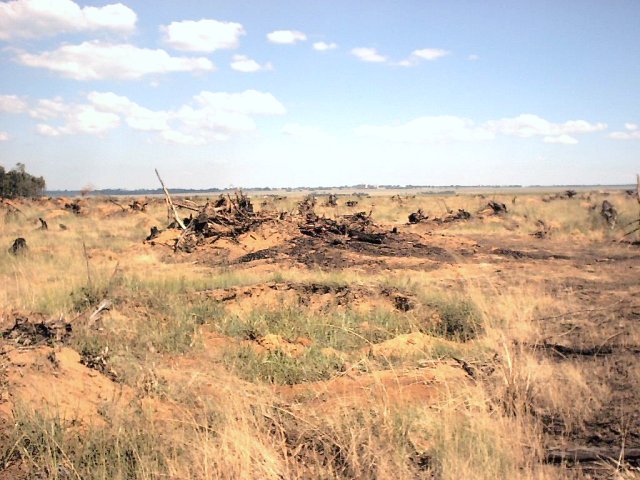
[(429, 129), (561, 139), (286, 37), (242, 63), (4, 136), (204, 35), (529, 125), (632, 133), (210, 117), (80, 119), (324, 46), (429, 54), (447, 128), (368, 55), (137, 117), (39, 18), (97, 60), (12, 104), (47, 130), (304, 132)]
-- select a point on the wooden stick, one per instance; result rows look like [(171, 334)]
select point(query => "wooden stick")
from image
[(170, 203), (591, 454), (111, 200)]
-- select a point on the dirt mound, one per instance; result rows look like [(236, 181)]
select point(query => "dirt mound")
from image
[(400, 386), (411, 345), (311, 296), (54, 380)]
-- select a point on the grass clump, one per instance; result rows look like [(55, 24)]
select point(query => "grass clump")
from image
[(457, 318), (342, 330), (278, 368), (53, 448)]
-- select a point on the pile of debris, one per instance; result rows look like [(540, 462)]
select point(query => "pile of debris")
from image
[(450, 216), (332, 201), (74, 207), (417, 217), (307, 205), (138, 205), (566, 195), (357, 226), (461, 214), (493, 208), (28, 333), (544, 230), (226, 217)]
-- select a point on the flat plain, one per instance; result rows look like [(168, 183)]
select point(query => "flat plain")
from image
[(281, 336)]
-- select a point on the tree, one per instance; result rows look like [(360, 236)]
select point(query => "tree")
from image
[(18, 183)]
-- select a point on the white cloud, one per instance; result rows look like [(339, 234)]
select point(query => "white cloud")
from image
[(96, 60), (429, 54), (286, 37), (76, 119), (630, 135), (210, 117), (12, 104), (529, 125), (137, 117), (4, 136), (447, 128), (368, 55), (204, 35), (304, 132), (323, 46), (47, 130), (46, 109), (473, 57), (242, 63), (561, 139), (632, 132), (39, 18), (434, 129)]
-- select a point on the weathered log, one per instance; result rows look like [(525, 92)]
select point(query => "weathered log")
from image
[(592, 454)]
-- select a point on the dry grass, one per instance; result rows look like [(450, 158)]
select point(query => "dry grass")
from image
[(228, 420)]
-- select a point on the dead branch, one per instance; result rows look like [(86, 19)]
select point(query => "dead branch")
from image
[(111, 200), (591, 454), (170, 203)]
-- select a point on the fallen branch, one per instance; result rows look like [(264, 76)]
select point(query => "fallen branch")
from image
[(170, 202), (111, 200), (592, 454)]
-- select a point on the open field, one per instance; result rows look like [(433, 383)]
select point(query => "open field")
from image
[(320, 342)]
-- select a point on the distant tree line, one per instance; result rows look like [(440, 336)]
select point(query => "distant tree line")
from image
[(18, 183)]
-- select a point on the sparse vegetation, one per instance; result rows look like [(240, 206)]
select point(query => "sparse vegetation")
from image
[(463, 350)]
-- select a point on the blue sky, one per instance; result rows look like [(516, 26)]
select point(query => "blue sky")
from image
[(288, 93)]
